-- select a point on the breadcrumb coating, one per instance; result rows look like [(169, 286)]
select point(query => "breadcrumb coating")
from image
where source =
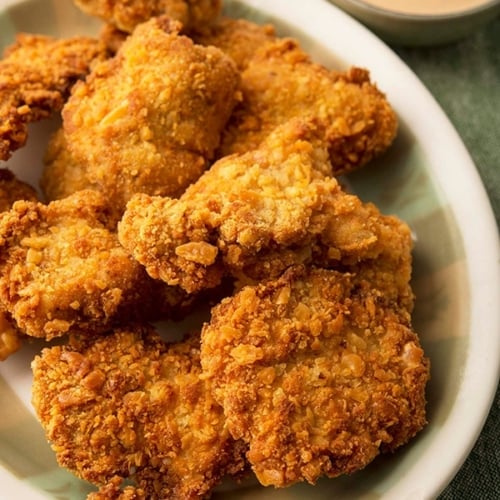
[(10, 337), (127, 14), (62, 268), (238, 38), (316, 372), (243, 207), (253, 215), (62, 175), (282, 82), (113, 490), (11, 190), (131, 406), (148, 119), (37, 73), (197, 169)]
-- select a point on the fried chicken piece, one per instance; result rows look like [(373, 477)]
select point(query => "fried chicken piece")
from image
[(10, 337), (242, 208), (129, 405), (127, 14), (112, 37), (113, 490), (62, 269), (238, 38), (282, 82), (253, 215), (149, 119), (316, 372), (62, 175), (36, 75), (13, 189), (377, 247)]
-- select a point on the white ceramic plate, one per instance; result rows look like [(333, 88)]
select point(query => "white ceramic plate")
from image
[(427, 178)]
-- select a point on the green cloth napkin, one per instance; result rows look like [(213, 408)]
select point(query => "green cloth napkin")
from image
[(464, 77)]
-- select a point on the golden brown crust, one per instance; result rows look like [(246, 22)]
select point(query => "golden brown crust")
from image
[(316, 372), (360, 239), (281, 82), (62, 268), (127, 14), (148, 119), (114, 490), (252, 215), (62, 175), (131, 406), (242, 208), (305, 371), (13, 189), (238, 38), (10, 337), (36, 75), (112, 37)]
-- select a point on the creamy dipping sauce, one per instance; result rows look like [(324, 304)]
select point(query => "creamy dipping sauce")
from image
[(427, 7)]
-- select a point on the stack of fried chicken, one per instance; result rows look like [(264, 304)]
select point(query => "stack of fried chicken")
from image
[(198, 163)]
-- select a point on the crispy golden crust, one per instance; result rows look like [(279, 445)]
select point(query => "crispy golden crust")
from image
[(127, 14), (62, 268), (130, 406), (114, 490), (238, 38), (304, 371), (148, 119), (378, 247), (62, 175), (253, 215), (10, 337), (13, 189), (281, 82), (112, 37), (240, 210), (316, 372), (36, 75)]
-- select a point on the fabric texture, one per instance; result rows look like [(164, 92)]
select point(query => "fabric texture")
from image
[(464, 77)]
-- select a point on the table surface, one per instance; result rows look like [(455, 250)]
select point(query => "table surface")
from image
[(464, 77)]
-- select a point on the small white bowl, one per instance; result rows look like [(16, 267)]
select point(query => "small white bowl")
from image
[(417, 26), (422, 179)]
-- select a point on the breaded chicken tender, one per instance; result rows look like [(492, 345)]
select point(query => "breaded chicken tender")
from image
[(36, 76), (377, 247), (62, 268), (253, 215), (127, 14), (238, 38), (112, 37), (316, 373), (281, 82), (114, 490), (11, 190), (130, 406), (149, 119), (10, 337), (242, 209)]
